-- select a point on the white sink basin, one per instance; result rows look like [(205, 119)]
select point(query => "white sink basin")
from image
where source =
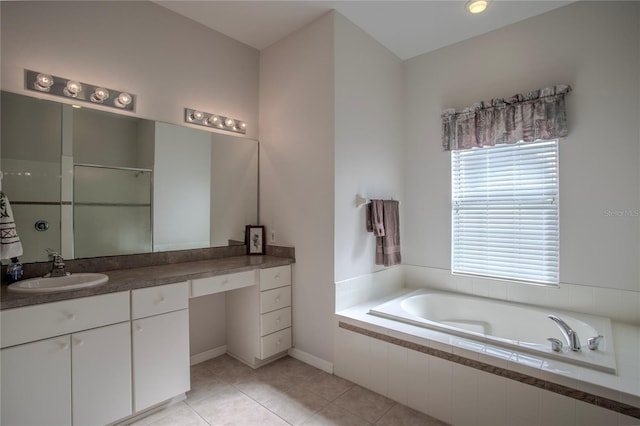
[(49, 285)]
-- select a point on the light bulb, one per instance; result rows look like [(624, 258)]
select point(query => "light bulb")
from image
[(196, 115), (477, 6), (243, 125), (43, 82), (229, 122), (100, 94), (212, 120), (72, 88), (123, 100)]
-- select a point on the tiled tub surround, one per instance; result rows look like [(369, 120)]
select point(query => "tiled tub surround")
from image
[(462, 381), (147, 270)]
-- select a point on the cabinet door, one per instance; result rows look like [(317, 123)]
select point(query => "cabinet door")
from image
[(101, 365), (36, 383), (160, 358)]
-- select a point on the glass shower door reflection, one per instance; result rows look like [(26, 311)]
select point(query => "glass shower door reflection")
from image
[(111, 211)]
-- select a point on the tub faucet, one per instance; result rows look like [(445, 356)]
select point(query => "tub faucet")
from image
[(57, 266), (568, 332)]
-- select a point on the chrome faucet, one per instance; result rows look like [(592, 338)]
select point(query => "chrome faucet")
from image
[(57, 266), (568, 332)]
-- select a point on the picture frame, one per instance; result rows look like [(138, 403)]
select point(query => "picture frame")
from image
[(255, 239)]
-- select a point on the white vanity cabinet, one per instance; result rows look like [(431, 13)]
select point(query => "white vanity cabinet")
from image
[(67, 362), (36, 383), (259, 318), (160, 330)]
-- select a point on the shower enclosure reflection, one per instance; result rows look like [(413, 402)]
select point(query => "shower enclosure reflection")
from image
[(111, 211)]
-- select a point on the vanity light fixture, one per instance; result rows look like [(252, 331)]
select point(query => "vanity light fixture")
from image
[(123, 100), (78, 91), (43, 82), (476, 6), (99, 95), (206, 119), (72, 88)]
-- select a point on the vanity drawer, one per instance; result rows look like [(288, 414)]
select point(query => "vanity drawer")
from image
[(220, 283), (274, 321), (149, 301), (21, 325), (275, 277), (275, 343), (277, 298)]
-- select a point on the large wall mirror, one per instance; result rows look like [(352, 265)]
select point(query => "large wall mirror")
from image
[(91, 183)]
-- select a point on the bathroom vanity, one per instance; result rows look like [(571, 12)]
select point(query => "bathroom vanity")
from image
[(101, 355)]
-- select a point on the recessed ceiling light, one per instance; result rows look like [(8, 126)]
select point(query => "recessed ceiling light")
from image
[(476, 6)]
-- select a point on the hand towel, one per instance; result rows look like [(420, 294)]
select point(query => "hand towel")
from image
[(377, 217), (390, 252), (10, 245), (368, 220), (383, 219)]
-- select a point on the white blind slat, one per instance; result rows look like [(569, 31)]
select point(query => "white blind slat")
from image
[(505, 212)]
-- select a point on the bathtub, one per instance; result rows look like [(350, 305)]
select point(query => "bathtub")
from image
[(523, 328)]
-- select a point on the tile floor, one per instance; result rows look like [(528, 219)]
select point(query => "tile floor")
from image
[(285, 392)]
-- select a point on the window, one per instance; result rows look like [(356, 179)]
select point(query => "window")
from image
[(505, 212)]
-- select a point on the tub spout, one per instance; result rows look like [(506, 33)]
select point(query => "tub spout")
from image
[(568, 332)]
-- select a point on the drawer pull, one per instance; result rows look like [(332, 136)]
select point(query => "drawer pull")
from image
[(278, 342), (278, 299), (139, 328), (225, 282), (79, 342), (71, 317), (162, 300), (64, 346), (278, 320), (277, 277)]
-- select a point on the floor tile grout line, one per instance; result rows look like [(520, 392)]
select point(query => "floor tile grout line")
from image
[(386, 412), (271, 411), (259, 403), (197, 413)]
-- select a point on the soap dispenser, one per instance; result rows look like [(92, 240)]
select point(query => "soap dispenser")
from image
[(14, 271)]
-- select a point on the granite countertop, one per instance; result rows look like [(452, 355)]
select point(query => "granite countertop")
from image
[(149, 276)]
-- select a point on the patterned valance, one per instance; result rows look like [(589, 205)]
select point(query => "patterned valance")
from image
[(539, 114)]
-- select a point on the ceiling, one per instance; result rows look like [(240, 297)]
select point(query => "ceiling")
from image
[(407, 28)]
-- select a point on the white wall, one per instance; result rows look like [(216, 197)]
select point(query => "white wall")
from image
[(170, 62), (369, 97), (594, 47), (297, 172)]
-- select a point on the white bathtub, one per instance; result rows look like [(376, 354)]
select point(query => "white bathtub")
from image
[(515, 326)]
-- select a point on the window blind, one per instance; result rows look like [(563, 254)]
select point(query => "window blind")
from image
[(505, 212)]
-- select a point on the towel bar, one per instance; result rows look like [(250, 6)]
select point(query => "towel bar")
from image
[(361, 201)]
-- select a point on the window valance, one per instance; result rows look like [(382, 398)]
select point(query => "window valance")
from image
[(539, 114)]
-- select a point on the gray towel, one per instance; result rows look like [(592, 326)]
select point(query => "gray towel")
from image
[(383, 219), (377, 217)]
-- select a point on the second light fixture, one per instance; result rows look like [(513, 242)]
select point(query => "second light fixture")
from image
[(217, 121)]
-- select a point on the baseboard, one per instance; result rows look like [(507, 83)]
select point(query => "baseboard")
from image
[(206, 355), (149, 411), (312, 360)]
